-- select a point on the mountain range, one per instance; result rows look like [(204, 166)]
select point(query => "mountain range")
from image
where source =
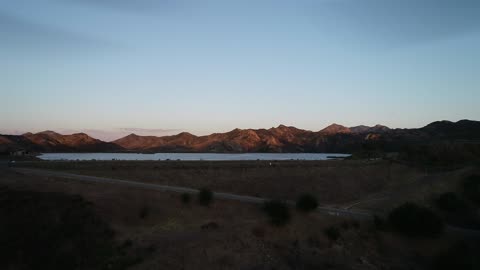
[(334, 138)]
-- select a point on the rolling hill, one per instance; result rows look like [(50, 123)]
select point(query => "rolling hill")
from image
[(334, 138)]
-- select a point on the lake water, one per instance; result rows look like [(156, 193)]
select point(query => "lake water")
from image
[(189, 156)]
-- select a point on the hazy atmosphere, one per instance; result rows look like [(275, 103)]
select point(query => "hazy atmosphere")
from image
[(161, 67)]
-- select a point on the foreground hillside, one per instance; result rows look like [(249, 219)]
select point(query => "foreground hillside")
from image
[(120, 227)]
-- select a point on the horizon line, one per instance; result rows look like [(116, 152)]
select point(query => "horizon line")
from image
[(168, 130)]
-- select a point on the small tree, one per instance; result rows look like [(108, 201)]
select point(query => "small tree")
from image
[(471, 188), (205, 197), (144, 211), (186, 198), (277, 211), (450, 202), (378, 222), (414, 220), (332, 232), (307, 203), (460, 256)]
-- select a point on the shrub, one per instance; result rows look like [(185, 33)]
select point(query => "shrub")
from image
[(459, 256), (258, 232), (414, 220), (333, 233), (450, 202), (277, 211), (127, 243), (307, 203), (378, 222), (144, 211), (205, 197), (210, 226), (186, 198), (471, 188), (52, 231)]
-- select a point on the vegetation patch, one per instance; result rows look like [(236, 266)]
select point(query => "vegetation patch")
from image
[(460, 256), (307, 203), (186, 198), (416, 221), (53, 231), (471, 188), (277, 212), (451, 202), (205, 197), (333, 233), (144, 212)]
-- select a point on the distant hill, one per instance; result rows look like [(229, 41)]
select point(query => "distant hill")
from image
[(49, 141), (335, 129), (366, 129), (334, 138)]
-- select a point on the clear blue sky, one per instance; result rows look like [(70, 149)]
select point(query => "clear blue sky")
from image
[(112, 67)]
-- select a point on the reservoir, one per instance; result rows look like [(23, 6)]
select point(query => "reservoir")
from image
[(191, 156)]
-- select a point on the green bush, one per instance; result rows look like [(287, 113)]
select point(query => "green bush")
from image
[(186, 198), (333, 233), (451, 202), (416, 221), (307, 203), (277, 211), (205, 197), (471, 188)]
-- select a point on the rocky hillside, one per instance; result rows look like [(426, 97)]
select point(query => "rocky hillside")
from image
[(334, 138), (49, 141)]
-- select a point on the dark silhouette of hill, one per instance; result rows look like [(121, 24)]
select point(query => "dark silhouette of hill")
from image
[(334, 138), (49, 141)]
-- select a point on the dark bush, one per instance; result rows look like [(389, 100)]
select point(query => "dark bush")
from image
[(333, 233), (307, 203), (379, 222), (205, 197), (277, 211), (186, 198), (127, 243), (416, 221), (471, 188), (459, 256), (458, 212), (451, 202), (258, 232), (210, 226), (144, 211), (52, 231)]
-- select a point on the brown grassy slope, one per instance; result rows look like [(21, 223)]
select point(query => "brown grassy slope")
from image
[(170, 235), (333, 182)]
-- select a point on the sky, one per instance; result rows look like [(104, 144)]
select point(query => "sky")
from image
[(158, 67)]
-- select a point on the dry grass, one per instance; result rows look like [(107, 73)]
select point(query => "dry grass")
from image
[(332, 182), (173, 238), (170, 234)]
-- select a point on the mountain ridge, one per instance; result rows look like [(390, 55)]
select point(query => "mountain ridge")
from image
[(333, 138)]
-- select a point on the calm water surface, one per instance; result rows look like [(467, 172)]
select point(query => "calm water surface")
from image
[(189, 156)]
